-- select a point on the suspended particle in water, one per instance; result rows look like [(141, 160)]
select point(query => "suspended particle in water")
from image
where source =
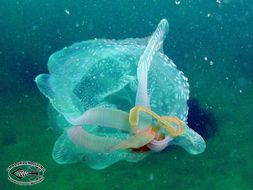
[(34, 27), (151, 177), (177, 2), (67, 12), (218, 1)]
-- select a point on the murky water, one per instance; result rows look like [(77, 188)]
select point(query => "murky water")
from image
[(210, 41)]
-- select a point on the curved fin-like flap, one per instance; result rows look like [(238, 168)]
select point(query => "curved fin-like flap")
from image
[(62, 98), (191, 141), (102, 160), (80, 137), (63, 151)]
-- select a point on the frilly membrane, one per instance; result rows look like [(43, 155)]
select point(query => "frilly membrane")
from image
[(93, 86)]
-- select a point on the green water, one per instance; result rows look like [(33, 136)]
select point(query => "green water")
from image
[(211, 42)]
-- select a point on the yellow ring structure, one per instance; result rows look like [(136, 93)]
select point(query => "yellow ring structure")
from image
[(163, 121)]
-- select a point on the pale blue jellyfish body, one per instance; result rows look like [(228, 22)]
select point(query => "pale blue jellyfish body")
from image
[(92, 86)]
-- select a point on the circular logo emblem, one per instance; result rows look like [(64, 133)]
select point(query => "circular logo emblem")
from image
[(26, 173)]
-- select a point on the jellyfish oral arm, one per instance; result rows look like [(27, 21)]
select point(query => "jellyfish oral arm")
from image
[(106, 117), (154, 44)]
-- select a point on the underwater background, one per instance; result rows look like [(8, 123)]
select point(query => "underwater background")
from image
[(211, 41)]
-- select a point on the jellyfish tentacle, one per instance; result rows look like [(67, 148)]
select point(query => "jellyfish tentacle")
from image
[(107, 117), (138, 140), (99, 144), (154, 44)]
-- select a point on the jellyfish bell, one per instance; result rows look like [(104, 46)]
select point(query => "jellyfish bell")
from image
[(114, 97)]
